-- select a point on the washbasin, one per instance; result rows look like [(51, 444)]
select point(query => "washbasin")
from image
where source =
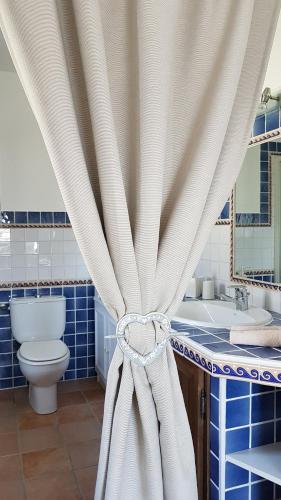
[(219, 314)]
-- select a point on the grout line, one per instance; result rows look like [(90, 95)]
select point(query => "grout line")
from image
[(250, 438), (214, 484), (222, 436), (275, 431), (252, 424)]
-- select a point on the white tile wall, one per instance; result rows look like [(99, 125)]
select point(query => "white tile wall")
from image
[(40, 254), (215, 263), (254, 248)]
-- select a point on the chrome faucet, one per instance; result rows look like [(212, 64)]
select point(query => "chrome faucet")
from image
[(240, 298)]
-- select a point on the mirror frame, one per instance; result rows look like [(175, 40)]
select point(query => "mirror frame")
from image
[(259, 139)]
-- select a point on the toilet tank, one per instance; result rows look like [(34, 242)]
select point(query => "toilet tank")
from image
[(37, 318)]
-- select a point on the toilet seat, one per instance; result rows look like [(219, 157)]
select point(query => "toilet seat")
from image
[(44, 351)]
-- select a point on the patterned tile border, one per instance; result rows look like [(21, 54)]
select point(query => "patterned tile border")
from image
[(36, 284), (195, 356), (229, 366), (265, 137), (225, 222)]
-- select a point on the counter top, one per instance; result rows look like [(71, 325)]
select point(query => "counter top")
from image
[(210, 349)]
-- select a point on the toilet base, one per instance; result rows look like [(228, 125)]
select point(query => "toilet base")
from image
[(43, 399)]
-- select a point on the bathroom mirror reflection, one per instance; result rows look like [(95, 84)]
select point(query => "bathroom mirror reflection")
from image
[(256, 250)]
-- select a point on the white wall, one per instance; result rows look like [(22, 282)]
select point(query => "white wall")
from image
[(247, 198), (273, 74), (27, 180)]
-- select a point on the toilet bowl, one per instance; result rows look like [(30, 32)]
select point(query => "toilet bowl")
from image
[(38, 324), (43, 364)]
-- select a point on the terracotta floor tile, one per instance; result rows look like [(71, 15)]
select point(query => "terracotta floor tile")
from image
[(12, 490), (8, 423), (88, 383), (47, 461), (70, 398), (97, 408), (10, 468), (39, 439), (84, 454), (51, 446), (7, 395), (7, 408), (34, 421), (57, 486), (86, 479), (75, 413), (96, 394), (22, 400), (68, 386), (21, 393), (8, 443), (23, 407), (82, 431)]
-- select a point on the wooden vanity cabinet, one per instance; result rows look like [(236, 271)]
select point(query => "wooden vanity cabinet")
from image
[(195, 384)]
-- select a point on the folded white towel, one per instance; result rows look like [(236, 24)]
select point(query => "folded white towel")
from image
[(268, 336)]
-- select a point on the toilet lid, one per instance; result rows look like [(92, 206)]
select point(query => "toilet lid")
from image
[(44, 350)]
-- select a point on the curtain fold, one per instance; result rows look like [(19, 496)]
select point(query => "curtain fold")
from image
[(145, 109)]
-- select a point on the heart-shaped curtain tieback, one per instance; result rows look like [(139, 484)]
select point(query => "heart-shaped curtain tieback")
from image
[(131, 353)]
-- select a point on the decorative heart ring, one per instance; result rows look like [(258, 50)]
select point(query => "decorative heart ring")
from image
[(131, 353)]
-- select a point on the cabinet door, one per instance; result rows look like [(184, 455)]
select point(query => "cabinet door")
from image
[(100, 328), (195, 383), (110, 344)]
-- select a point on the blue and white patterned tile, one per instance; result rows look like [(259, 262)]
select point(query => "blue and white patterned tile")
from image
[(271, 375), (193, 354), (236, 366)]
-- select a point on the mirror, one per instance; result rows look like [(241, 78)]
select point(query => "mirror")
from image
[(256, 251)]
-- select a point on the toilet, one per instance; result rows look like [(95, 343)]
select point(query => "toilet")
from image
[(38, 324)]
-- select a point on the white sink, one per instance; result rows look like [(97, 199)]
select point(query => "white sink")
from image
[(219, 314)]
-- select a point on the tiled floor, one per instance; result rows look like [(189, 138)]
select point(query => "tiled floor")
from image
[(54, 456)]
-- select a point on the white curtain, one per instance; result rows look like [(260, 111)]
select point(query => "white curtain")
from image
[(145, 108)]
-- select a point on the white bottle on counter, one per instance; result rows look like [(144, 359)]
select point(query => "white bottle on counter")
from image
[(194, 288), (208, 291)]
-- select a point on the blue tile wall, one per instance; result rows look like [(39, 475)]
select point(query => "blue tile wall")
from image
[(251, 416), (79, 333), (266, 122), (259, 125), (225, 213), (42, 218)]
